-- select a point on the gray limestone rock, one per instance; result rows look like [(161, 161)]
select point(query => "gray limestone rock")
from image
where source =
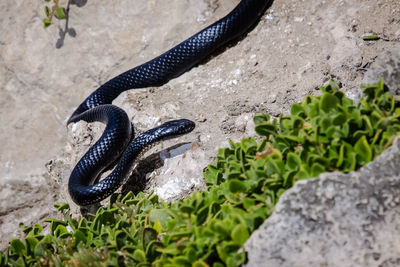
[(336, 219), (388, 67)]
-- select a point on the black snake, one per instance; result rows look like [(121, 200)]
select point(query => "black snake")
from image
[(156, 72)]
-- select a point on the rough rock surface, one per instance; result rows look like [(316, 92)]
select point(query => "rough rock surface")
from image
[(388, 67), (45, 74), (335, 220)]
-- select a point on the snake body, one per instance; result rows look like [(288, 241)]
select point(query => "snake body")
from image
[(156, 72)]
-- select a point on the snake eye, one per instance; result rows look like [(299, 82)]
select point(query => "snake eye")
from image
[(184, 126), (187, 125)]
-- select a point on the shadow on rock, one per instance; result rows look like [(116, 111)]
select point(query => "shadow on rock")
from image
[(78, 3), (67, 30), (137, 180)]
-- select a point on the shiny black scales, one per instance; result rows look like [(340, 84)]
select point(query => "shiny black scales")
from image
[(155, 72)]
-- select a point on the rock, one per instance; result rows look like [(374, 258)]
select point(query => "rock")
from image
[(388, 67), (336, 219), (180, 175), (346, 53)]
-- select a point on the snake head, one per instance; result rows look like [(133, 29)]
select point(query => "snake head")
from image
[(176, 127), (168, 130)]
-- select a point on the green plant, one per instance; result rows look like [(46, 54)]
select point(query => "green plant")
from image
[(55, 11), (323, 133)]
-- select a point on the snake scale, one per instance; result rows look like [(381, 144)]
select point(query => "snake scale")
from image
[(116, 138)]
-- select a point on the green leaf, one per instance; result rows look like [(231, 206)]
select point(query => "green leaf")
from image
[(230, 175), (54, 223), (317, 169), (297, 109), (236, 186), (46, 22), (25, 228), (202, 214), (44, 247), (261, 118), (181, 261), (274, 164), (158, 227), (240, 234), (152, 250), (332, 87), (351, 162), (149, 234), (78, 237), (191, 254), (30, 243), (363, 149), (120, 238), (59, 13), (61, 231), (289, 179), (293, 161), (303, 173), (139, 255), (160, 215), (17, 246), (248, 203), (249, 145), (83, 224), (47, 10), (339, 119), (127, 197), (235, 259), (3, 259), (325, 123), (200, 263), (265, 129), (225, 249), (328, 102), (312, 110), (186, 209), (213, 175), (17, 263)]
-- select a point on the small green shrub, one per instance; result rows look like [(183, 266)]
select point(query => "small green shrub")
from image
[(323, 133), (54, 11)]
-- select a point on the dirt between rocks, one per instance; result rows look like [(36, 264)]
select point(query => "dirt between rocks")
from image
[(44, 74)]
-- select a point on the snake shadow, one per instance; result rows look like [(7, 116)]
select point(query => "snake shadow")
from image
[(234, 41), (137, 181)]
